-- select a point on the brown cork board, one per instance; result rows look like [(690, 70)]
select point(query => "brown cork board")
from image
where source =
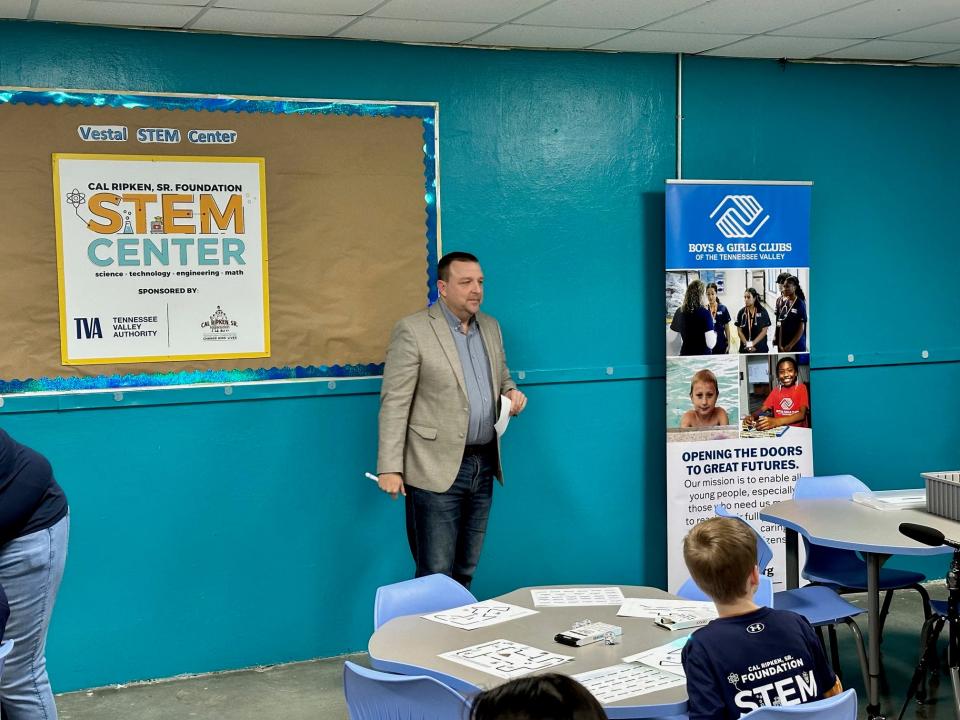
[(346, 222)]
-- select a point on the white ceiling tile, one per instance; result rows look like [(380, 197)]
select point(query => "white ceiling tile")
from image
[(946, 32), (890, 50), (537, 36), (748, 16), (623, 14), (950, 58), (781, 46), (111, 13), (666, 42), (307, 7), (371, 28), (488, 11), (263, 23), (876, 18), (14, 9)]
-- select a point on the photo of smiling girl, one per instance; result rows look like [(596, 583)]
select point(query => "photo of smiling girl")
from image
[(704, 392), (789, 401)]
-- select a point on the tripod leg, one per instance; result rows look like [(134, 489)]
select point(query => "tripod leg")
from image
[(955, 682), (928, 636)]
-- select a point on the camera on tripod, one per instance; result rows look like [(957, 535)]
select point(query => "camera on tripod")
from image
[(934, 624)]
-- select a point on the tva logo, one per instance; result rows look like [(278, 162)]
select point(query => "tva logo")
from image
[(740, 216)]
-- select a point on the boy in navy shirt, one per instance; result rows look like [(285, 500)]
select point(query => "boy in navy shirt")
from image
[(750, 656)]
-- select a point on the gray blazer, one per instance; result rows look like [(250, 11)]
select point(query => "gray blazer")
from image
[(423, 400)]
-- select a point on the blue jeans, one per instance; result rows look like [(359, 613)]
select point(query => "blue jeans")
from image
[(31, 568), (446, 530)]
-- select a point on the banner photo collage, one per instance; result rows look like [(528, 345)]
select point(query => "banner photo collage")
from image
[(738, 410)]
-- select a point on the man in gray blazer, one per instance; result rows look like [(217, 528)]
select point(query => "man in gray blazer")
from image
[(445, 372)]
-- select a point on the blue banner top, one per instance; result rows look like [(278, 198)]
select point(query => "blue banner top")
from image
[(730, 225)]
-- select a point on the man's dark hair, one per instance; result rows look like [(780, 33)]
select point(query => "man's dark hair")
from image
[(541, 697), (443, 267)]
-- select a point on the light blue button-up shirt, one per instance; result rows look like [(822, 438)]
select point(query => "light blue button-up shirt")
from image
[(476, 376)]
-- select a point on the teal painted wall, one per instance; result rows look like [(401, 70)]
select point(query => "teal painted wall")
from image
[(211, 533)]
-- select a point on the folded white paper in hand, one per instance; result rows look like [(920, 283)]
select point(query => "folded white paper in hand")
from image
[(501, 424)]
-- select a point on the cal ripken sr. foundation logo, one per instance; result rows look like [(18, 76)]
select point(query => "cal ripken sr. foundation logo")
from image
[(740, 216), (219, 327)]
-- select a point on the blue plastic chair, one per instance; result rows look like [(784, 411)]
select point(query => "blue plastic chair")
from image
[(763, 596), (838, 707), (427, 594), (844, 570), (820, 605), (5, 647), (375, 695)]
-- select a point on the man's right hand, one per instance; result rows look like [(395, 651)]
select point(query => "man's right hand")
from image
[(392, 483)]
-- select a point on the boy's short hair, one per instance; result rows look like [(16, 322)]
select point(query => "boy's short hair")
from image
[(704, 376), (720, 553)]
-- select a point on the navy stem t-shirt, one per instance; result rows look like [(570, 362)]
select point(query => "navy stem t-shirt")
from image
[(30, 499), (764, 658)]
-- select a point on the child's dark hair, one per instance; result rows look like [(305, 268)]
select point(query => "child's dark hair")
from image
[(796, 283), (540, 697), (792, 361)]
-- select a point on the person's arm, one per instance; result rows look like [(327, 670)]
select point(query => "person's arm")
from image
[(704, 697), (750, 420), (801, 328), (821, 671), (710, 334), (768, 423), (400, 373), (518, 400), (687, 419), (724, 418)]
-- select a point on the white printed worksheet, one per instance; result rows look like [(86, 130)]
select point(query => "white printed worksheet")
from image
[(505, 658), (574, 597), (665, 657), (626, 680), (650, 608), (478, 615)]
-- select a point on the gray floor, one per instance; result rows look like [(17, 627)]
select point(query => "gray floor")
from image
[(312, 690)]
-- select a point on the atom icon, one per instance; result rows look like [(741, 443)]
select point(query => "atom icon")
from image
[(76, 198)]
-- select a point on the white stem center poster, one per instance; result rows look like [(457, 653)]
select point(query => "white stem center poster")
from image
[(161, 258), (738, 410)]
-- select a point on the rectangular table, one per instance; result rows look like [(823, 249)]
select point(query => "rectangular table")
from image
[(842, 523)]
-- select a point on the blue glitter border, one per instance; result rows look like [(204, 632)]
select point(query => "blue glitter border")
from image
[(427, 114)]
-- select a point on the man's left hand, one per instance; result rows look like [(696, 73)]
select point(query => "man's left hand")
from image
[(518, 401)]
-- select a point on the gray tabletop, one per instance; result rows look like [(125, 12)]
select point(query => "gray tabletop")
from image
[(411, 645), (845, 524)]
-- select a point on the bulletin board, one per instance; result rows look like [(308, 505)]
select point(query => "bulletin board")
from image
[(329, 209)]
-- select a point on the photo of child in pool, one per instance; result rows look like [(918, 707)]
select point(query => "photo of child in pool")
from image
[(704, 393)]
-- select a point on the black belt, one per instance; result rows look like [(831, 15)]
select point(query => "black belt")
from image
[(469, 450)]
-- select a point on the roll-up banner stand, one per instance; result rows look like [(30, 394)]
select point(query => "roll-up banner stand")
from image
[(738, 311)]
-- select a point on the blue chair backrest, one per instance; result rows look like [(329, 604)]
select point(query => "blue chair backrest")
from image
[(5, 647), (827, 486), (763, 596), (838, 707), (764, 551), (374, 695), (419, 596)]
